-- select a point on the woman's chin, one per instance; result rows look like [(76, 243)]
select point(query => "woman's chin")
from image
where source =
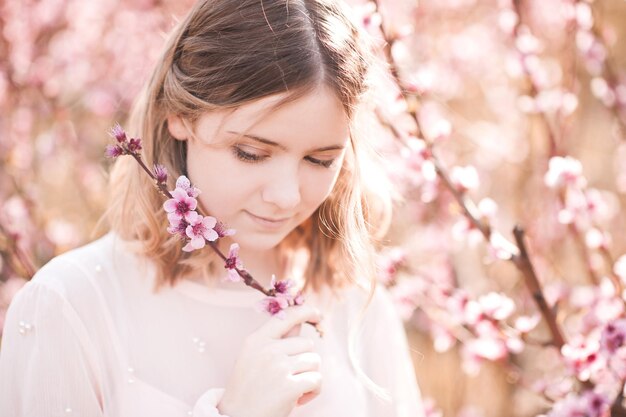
[(256, 242)]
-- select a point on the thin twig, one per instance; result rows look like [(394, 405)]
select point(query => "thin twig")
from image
[(523, 263)]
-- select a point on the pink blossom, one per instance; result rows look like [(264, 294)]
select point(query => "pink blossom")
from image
[(583, 357), (233, 263), (160, 172), (584, 16), (274, 306), (465, 178), (298, 299), (620, 267), (199, 230), (113, 151), (570, 406), (178, 227), (180, 206), (500, 247), (184, 183), (134, 145), (613, 336), (525, 324), (282, 286), (222, 230), (476, 350), (564, 171), (430, 408), (496, 305), (389, 263), (443, 340), (118, 133)]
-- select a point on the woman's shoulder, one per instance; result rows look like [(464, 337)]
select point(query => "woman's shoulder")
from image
[(80, 273)]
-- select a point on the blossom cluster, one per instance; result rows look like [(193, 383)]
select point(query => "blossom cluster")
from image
[(184, 220), (124, 146), (283, 297)]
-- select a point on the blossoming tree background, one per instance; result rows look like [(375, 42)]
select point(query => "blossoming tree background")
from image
[(503, 122)]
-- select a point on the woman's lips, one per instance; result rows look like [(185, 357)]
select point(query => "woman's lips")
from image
[(267, 222)]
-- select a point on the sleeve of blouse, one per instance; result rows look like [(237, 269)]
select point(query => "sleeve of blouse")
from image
[(387, 360), (46, 363), (206, 406)]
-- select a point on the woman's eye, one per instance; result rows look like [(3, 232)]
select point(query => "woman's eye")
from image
[(326, 163), (247, 156)]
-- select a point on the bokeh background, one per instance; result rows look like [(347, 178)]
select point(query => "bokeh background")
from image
[(495, 89)]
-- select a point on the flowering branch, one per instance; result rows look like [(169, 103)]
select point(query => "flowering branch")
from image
[(188, 223), (526, 44), (605, 84), (525, 266), (507, 250)]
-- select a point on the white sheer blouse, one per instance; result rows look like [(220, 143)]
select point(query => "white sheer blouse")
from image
[(88, 336)]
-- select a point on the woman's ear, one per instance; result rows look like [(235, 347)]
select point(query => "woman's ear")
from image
[(176, 127)]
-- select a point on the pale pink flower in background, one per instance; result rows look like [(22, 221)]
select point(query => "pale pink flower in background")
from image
[(496, 305), (465, 178), (613, 336), (570, 406), (430, 408), (525, 324), (583, 357), (199, 230), (475, 351), (435, 126), (526, 42), (620, 268), (584, 15), (63, 233), (460, 307), (500, 247), (464, 230), (597, 239), (564, 171), (443, 340), (406, 294), (389, 262), (507, 19)]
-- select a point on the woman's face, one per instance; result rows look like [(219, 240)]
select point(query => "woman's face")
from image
[(265, 172)]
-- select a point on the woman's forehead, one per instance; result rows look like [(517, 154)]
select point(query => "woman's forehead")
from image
[(317, 116)]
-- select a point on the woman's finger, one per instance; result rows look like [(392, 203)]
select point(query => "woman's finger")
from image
[(277, 328), (295, 345), (294, 331), (305, 362)]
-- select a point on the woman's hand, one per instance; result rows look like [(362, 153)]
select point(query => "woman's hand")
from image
[(276, 369)]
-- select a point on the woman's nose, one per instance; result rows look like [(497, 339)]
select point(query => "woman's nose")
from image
[(284, 190)]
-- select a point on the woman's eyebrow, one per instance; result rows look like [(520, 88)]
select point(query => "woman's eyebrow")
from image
[(283, 147)]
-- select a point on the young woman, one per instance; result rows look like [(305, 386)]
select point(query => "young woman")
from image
[(254, 101)]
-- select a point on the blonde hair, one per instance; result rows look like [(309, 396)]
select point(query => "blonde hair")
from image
[(227, 53)]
